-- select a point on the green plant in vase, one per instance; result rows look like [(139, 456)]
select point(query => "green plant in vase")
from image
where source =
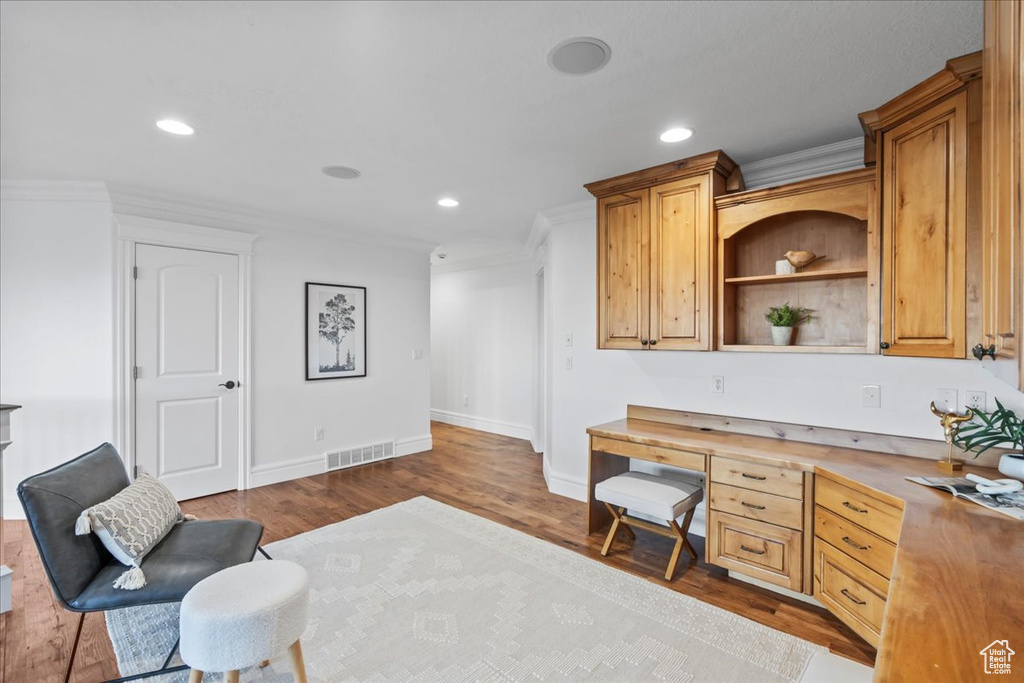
[(1001, 427), (783, 319)]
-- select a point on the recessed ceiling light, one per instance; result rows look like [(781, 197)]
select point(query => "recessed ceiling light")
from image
[(175, 127), (447, 202), (676, 134), (341, 172), (579, 56)]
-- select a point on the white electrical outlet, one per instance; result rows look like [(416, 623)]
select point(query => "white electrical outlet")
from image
[(718, 384), (871, 396), (975, 400), (568, 362), (568, 339), (318, 434), (465, 400), (946, 400)]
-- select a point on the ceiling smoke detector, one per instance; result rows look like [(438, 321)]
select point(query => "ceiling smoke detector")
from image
[(341, 172), (579, 56)]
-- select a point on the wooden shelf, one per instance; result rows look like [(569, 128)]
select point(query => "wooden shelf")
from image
[(794, 348), (836, 274)]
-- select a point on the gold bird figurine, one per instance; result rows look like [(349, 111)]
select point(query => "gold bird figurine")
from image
[(801, 259)]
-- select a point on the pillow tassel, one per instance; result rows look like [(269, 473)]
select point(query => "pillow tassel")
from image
[(131, 580), (83, 526)]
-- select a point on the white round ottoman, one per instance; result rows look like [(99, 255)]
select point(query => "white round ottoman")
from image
[(243, 616)]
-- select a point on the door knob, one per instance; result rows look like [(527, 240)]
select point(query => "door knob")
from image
[(229, 384), (653, 342)]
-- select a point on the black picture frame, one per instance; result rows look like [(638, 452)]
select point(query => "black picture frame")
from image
[(344, 331)]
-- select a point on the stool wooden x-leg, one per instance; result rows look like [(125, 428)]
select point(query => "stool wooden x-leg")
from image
[(674, 530)]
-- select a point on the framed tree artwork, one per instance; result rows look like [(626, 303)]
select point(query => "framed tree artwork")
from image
[(335, 331)]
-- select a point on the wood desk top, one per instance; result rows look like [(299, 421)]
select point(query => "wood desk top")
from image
[(959, 572)]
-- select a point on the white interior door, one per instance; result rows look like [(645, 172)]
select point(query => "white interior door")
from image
[(187, 363)]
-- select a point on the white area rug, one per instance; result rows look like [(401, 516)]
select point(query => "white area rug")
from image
[(421, 591)]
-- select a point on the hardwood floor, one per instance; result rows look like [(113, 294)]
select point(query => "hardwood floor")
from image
[(492, 476)]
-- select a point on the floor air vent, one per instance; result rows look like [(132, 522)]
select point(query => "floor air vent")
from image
[(338, 460)]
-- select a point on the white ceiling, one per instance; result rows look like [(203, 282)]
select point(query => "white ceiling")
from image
[(439, 98)]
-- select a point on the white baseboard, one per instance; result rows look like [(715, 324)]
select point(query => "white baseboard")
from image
[(413, 444), (482, 424), (12, 507), (264, 475), (563, 485), (5, 589)]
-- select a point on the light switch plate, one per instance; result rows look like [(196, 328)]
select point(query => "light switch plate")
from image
[(946, 400), (871, 396)]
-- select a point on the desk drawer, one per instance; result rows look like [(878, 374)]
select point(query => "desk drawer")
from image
[(863, 546), (764, 551), (758, 477), (851, 591), (764, 507), (666, 456), (877, 516)]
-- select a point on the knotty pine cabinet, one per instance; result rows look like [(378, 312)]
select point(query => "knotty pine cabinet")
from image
[(655, 235), (1002, 140), (926, 145)]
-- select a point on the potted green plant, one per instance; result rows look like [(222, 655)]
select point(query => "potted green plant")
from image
[(783, 319), (1001, 427)]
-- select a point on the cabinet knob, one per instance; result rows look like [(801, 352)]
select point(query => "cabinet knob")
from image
[(644, 342), (653, 342), (980, 351), (884, 345)]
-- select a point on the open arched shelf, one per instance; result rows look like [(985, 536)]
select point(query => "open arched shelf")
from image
[(830, 216)]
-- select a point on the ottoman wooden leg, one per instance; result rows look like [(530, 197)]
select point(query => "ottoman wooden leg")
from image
[(298, 666), (231, 677), (195, 676), (265, 663)]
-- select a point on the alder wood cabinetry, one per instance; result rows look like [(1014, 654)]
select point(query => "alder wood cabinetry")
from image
[(655, 232), (926, 144), (834, 217), (1002, 141)]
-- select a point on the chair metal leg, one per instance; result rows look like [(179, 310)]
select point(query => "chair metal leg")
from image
[(74, 647), (263, 552)]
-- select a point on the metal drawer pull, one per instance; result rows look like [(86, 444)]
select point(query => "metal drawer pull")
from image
[(847, 541), (752, 507), (851, 598), (846, 504), (751, 476), (751, 550)]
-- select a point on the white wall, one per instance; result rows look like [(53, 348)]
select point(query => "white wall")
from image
[(814, 389), (57, 337), (56, 333), (482, 340)]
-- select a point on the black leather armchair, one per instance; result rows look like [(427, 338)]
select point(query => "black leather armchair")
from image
[(82, 572)]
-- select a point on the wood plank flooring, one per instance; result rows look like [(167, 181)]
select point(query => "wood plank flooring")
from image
[(492, 476)]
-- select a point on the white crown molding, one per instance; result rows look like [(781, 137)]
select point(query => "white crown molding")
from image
[(506, 258), (169, 233), (836, 157), (53, 191), (178, 209)]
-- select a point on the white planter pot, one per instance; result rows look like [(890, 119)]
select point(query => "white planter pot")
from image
[(782, 336), (1012, 466)]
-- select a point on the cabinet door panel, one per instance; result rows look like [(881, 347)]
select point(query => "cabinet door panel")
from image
[(680, 264), (622, 280), (924, 232)]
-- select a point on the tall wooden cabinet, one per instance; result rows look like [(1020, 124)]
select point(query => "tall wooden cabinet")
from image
[(926, 145), (654, 237), (1002, 141)]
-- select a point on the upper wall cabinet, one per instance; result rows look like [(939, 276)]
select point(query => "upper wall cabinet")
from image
[(926, 143), (1003, 91), (654, 237)]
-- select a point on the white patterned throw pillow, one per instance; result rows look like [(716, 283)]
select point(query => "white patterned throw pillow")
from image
[(131, 524)]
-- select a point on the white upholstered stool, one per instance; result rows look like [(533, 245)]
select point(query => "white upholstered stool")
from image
[(659, 497), (243, 616)]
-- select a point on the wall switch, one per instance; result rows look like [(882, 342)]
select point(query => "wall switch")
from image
[(718, 384), (465, 400), (568, 339), (871, 396), (318, 434), (568, 362), (417, 354), (946, 400), (975, 400)]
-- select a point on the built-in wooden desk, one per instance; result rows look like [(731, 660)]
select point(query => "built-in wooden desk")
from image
[(956, 584)]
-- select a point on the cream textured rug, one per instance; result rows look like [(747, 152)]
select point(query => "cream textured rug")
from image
[(421, 591)]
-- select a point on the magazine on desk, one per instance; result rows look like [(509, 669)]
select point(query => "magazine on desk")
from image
[(1011, 504)]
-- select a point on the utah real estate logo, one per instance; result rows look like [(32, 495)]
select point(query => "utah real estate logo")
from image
[(997, 657)]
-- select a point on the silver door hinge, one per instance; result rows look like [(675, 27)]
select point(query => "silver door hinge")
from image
[(135, 372), (135, 272)]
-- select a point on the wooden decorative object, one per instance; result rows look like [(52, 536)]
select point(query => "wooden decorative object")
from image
[(830, 215)]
